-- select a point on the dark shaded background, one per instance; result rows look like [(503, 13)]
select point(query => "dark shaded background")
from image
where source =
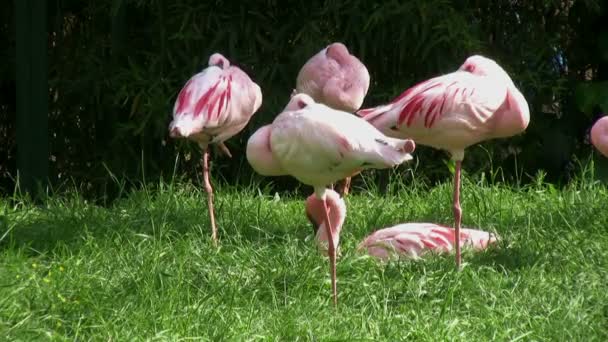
[(115, 68)]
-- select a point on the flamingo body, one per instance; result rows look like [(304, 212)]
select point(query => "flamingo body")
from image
[(415, 239), (318, 145), (335, 78), (452, 112), (599, 135), (213, 106)]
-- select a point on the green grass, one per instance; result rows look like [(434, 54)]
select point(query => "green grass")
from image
[(145, 269)]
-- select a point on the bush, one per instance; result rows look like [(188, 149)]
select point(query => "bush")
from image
[(115, 69)]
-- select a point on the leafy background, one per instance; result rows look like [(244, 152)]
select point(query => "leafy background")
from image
[(115, 68)]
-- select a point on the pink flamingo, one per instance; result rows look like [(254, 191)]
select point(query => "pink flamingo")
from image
[(318, 145), (415, 239), (212, 107), (337, 79), (452, 112), (599, 135), (408, 239)]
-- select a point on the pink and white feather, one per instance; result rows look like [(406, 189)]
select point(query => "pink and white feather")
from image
[(215, 104), (413, 240)]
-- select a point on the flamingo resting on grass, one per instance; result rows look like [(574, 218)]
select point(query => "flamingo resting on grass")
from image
[(599, 135), (452, 112), (411, 240), (337, 79), (212, 107), (319, 145)]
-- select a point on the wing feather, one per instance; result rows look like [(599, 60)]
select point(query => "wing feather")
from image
[(205, 98), (427, 102), (456, 92)]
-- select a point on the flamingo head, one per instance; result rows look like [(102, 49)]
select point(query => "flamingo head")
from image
[(217, 59), (298, 101), (350, 88), (315, 212), (483, 66), (337, 51)]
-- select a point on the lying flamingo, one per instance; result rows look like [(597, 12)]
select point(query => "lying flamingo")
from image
[(337, 79), (599, 135), (410, 240), (318, 145), (415, 239), (212, 107), (452, 112)]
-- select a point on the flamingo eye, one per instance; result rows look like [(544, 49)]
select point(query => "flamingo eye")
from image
[(301, 104), (470, 68)]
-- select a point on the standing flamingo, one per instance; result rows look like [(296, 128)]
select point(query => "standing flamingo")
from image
[(337, 79), (407, 239), (599, 135), (212, 107), (318, 145), (452, 112)]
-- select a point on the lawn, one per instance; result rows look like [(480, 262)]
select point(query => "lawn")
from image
[(144, 268)]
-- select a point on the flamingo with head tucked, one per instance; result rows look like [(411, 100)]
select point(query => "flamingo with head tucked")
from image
[(318, 145), (409, 240), (599, 135), (452, 112), (213, 106), (337, 79)]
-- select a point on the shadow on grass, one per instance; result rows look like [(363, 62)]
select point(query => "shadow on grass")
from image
[(46, 230), (509, 258)]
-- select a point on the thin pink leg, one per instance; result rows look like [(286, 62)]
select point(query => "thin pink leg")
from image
[(331, 250), (457, 212), (209, 191)]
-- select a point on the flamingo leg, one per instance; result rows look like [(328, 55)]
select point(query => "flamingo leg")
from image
[(457, 212), (209, 191), (331, 251)]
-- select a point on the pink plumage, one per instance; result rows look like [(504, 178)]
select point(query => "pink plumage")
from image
[(599, 135), (213, 106), (318, 145), (452, 112), (315, 212), (335, 78), (413, 240)]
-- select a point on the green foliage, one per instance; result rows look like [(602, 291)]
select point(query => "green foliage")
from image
[(144, 268), (591, 95), (115, 69)]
